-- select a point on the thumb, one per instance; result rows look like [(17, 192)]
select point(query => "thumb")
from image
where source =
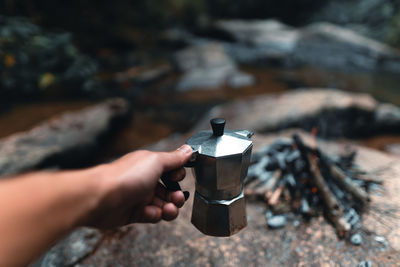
[(175, 159)]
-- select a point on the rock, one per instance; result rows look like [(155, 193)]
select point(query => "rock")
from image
[(381, 240), (393, 149), (207, 66), (370, 17), (356, 239), (327, 45), (320, 44), (73, 249), (178, 243), (144, 75), (389, 117), (277, 221), (259, 41), (241, 79), (365, 264), (334, 113), (66, 140), (268, 214)]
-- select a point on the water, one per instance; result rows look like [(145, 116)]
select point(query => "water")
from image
[(158, 113)]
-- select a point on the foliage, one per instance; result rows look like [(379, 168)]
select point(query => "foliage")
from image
[(33, 60), (105, 21), (393, 37)]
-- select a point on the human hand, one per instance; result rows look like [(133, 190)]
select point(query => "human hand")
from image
[(131, 191)]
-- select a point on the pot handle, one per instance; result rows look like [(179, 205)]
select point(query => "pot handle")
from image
[(192, 161)]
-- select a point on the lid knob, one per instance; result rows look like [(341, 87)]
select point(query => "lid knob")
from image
[(217, 125)]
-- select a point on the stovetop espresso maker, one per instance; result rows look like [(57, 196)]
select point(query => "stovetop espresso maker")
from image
[(220, 161)]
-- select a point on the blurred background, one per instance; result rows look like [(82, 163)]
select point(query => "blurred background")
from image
[(174, 60), (83, 82)]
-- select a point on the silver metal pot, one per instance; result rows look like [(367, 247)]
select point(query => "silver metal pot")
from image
[(220, 161)]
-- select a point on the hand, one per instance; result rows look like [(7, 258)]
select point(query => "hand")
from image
[(131, 191)]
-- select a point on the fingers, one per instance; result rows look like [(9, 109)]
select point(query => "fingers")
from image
[(169, 212), (177, 198), (162, 196), (177, 175), (148, 214), (175, 159), (154, 213)]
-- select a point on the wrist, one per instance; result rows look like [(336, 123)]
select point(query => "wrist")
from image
[(97, 188)]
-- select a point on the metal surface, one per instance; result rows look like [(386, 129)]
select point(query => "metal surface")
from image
[(219, 217), (221, 159), (232, 142)]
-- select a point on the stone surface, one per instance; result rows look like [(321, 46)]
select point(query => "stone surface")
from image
[(324, 44), (75, 248), (388, 116), (241, 79), (259, 41), (393, 149), (207, 66), (321, 44), (66, 139), (335, 113), (143, 75), (369, 17), (277, 221), (356, 239), (178, 243)]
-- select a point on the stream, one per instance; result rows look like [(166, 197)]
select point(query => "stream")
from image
[(158, 113)]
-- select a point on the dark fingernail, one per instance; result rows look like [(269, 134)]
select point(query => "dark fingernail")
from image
[(186, 194), (170, 185)]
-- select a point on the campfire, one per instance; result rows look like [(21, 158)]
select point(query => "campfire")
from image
[(292, 177)]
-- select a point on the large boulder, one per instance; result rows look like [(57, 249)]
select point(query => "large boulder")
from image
[(334, 113), (373, 18), (259, 41), (206, 66), (321, 44), (328, 45), (179, 243), (66, 140)]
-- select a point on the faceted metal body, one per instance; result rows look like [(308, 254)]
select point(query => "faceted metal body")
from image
[(220, 166)]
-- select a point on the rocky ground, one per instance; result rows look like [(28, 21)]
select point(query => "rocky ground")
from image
[(62, 141), (299, 243), (178, 243)]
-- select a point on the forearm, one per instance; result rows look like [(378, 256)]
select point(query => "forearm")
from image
[(38, 209)]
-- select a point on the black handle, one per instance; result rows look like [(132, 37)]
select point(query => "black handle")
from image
[(173, 186), (170, 185), (218, 125)]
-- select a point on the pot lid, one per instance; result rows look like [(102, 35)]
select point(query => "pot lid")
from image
[(220, 142)]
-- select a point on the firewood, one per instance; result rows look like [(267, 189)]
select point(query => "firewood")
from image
[(256, 189), (253, 184), (347, 184), (274, 199), (271, 184), (333, 210), (252, 195), (327, 196), (365, 178)]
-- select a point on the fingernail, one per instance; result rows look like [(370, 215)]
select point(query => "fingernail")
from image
[(186, 194), (185, 149)]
